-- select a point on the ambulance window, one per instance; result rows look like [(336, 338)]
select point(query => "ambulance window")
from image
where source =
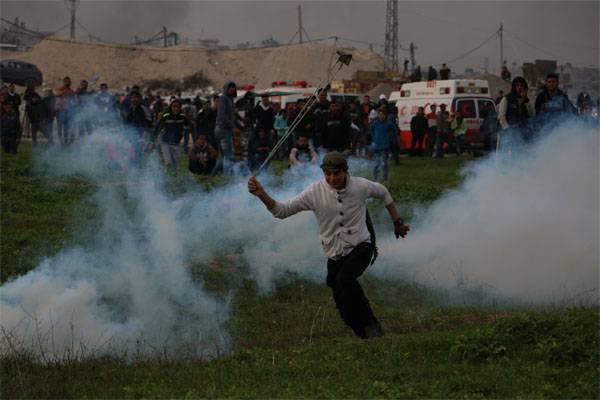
[(485, 108), (466, 108)]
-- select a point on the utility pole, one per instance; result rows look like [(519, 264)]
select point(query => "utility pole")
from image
[(164, 31), (73, 4), (300, 24), (501, 48), (413, 61), (390, 60)]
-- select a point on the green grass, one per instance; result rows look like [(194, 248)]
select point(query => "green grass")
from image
[(291, 341)]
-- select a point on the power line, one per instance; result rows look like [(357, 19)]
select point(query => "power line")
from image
[(89, 33), (474, 49), (32, 33), (458, 24)]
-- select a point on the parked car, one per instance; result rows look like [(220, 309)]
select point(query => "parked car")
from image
[(20, 73)]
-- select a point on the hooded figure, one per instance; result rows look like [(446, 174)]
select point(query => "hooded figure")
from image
[(226, 107), (225, 124)]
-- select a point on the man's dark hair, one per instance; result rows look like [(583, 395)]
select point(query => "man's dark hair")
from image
[(552, 75), (104, 85)]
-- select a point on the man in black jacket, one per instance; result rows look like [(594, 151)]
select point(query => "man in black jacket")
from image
[(205, 122), (418, 128), (336, 136), (515, 110), (264, 114), (138, 118)]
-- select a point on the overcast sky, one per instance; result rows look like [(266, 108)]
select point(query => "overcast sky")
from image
[(442, 31)]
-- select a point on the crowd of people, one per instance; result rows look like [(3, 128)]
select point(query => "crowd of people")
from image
[(220, 139), (216, 137)]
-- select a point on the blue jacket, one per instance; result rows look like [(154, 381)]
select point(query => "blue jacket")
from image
[(551, 105), (382, 134)]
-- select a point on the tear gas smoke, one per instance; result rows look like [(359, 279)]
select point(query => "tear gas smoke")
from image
[(525, 229)]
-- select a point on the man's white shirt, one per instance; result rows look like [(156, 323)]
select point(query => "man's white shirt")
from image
[(341, 214)]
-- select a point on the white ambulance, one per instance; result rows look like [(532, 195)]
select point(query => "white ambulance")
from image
[(469, 97)]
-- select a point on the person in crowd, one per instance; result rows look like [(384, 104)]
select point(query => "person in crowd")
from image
[(302, 153), (3, 96), (264, 114), (29, 92), (202, 156), (356, 128), (105, 106), (444, 72), (64, 103), (261, 144), (126, 101), (489, 124), (432, 74), (552, 103), (588, 117), (171, 128), (505, 74), (321, 116), (139, 120), (336, 135), (306, 126), (346, 232), (48, 115), (515, 110), (392, 117), (240, 156), (189, 109), (83, 112), (158, 107), (10, 128), (14, 98), (583, 98), (205, 122), (431, 130), (365, 108), (500, 97), (383, 132), (417, 75), (442, 124), (225, 123), (35, 115), (459, 130), (418, 129), (280, 126)]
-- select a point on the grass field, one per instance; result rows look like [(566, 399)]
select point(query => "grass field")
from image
[(291, 342)]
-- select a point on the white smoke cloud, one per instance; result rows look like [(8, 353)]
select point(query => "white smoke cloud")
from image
[(525, 228)]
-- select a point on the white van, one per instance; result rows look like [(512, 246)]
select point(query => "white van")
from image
[(468, 96)]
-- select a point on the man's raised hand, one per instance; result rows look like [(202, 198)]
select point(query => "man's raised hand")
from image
[(254, 186)]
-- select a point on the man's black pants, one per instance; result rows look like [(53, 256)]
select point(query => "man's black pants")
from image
[(349, 297)]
